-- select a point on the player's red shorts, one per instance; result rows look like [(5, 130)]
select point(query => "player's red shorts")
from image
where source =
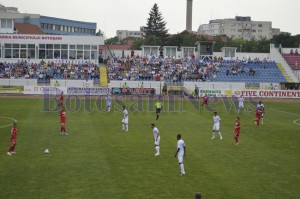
[(13, 141), (236, 133), (62, 122)]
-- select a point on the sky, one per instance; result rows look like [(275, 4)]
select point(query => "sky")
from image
[(113, 15)]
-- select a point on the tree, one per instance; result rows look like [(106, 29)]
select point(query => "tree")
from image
[(99, 33), (113, 40), (156, 26)]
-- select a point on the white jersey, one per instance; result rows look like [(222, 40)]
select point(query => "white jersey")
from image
[(180, 146), (261, 106), (125, 113), (241, 102), (155, 133), (125, 117), (108, 101), (217, 119), (216, 123)]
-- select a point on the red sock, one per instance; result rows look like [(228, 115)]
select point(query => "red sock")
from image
[(64, 129), (10, 149), (13, 148), (61, 129), (236, 139)]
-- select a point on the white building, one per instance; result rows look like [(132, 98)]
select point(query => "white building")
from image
[(122, 34), (4, 9), (14, 47), (239, 27)]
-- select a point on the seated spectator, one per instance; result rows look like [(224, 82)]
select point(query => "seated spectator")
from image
[(296, 52), (251, 72), (292, 52), (227, 72)]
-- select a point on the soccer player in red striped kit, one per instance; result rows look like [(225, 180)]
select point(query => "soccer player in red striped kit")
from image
[(258, 113), (13, 139), (237, 129), (63, 116), (61, 99)]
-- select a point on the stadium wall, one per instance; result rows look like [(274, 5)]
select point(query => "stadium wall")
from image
[(72, 83), (252, 56), (78, 87), (126, 53), (18, 82)]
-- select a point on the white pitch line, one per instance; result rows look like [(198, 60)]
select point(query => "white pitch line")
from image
[(294, 114), (285, 112), (296, 122), (7, 124)]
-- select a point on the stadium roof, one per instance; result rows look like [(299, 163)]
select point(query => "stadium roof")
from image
[(27, 28)]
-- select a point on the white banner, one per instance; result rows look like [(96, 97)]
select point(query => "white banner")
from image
[(88, 91), (44, 90), (270, 93)]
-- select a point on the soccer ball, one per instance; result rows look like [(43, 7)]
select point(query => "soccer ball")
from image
[(46, 151)]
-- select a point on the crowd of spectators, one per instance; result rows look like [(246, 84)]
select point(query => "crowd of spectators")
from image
[(172, 69), (146, 68), (44, 71)]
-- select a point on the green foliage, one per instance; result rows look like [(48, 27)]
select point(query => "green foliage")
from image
[(137, 44), (113, 40), (255, 46), (286, 40), (99, 33), (156, 26)]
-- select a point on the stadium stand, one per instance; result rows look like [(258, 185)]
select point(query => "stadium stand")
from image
[(172, 70), (43, 71), (293, 60)]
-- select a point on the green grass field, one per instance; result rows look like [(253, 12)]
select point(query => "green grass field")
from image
[(98, 160)]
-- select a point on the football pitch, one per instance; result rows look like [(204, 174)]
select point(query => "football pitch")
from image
[(98, 160)]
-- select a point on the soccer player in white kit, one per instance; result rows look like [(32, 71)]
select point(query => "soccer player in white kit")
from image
[(125, 119), (108, 102), (241, 103), (156, 138), (180, 153), (262, 108), (216, 126)]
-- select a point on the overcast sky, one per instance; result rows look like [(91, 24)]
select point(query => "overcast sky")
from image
[(112, 15)]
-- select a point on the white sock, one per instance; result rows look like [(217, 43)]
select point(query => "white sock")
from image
[(220, 134), (213, 134), (126, 125), (123, 126), (157, 149), (182, 168)]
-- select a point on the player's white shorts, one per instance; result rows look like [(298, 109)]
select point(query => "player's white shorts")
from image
[(125, 121), (157, 141), (180, 158), (241, 105), (216, 127)]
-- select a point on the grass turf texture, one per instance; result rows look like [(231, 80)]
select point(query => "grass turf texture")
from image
[(98, 160)]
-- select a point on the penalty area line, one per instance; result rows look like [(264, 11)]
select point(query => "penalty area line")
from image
[(4, 126)]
